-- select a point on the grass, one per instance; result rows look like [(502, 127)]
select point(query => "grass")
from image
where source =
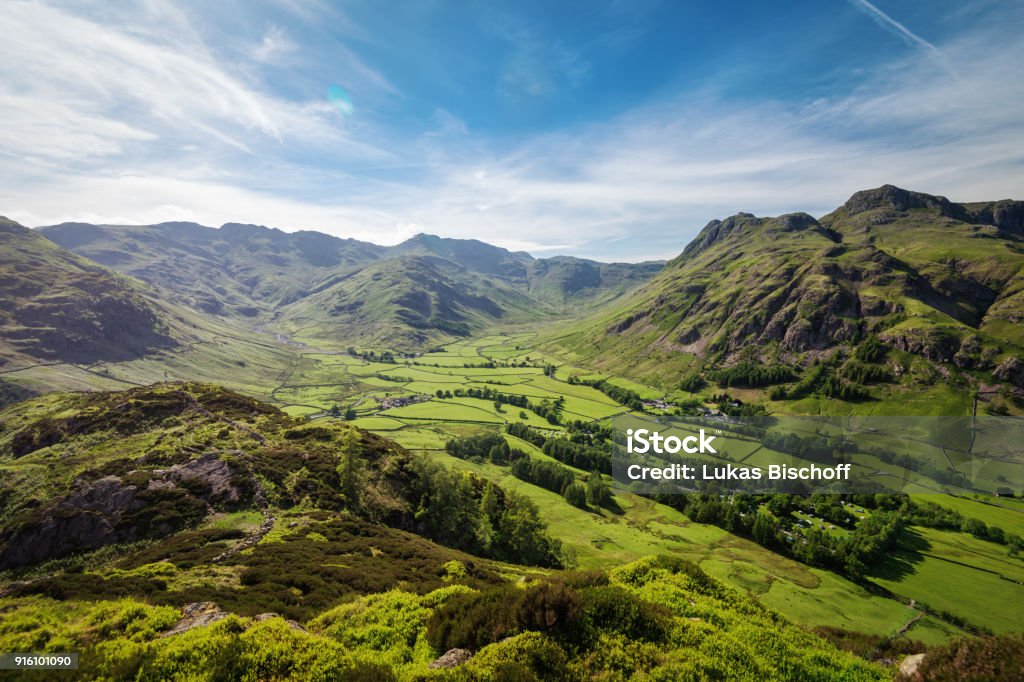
[(307, 382), (929, 570), (604, 539)]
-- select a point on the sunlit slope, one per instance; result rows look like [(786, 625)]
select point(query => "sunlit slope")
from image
[(936, 280), (407, 302)]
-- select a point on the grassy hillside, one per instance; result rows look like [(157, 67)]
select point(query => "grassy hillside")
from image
[(407, 302), (316, 286), (237, 270), (60, 307), (938, 284), (181, 494)]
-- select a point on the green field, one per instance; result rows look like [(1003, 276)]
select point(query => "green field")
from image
[(954, 575), (810, 596)]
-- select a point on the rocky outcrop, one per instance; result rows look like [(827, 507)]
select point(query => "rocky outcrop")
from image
[(451, 658), (196, 615), (219, 482), (115, 509), (1007, 215), (935, 344), (897, 199), (910, 664), (201, 614), (1011, 370)]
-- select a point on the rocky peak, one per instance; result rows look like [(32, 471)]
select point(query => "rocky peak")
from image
[(1007, 215), (895, 198), (714, 232), (793, 222)]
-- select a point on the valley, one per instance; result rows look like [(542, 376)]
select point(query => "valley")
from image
[(371, 444)]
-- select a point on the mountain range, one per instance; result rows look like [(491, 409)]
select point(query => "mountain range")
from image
[(276, 452), (316, 285), (929, 278)]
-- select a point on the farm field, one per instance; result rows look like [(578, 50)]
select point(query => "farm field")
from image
[(508, 365), (957, 574), (950, 573)]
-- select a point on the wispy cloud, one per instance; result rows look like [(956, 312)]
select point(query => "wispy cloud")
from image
[(275, 44), (897, 29), (146, 120), (85, 77)]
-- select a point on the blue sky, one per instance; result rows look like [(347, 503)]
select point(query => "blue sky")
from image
[(612, 130)]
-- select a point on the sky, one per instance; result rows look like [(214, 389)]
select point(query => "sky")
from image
[(608, 129)]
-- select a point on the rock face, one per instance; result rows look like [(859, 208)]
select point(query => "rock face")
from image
[(891, 197), (452, 658), (125, 508), (929, 343), (196, 615), (1011, 370), (213, 474)]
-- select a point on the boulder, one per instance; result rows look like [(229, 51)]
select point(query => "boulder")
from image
[(1011, 370), (196, 615), (452, 658), (910, 664)]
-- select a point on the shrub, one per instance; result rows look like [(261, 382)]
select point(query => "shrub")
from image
[(472, 621)]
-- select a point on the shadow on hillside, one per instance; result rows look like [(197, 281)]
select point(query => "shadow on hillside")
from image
[(612, 505), (900, 562)]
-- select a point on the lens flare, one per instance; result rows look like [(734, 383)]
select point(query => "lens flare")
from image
[(337, 96)]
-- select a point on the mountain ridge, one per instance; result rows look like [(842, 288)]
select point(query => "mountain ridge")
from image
[(308, 280), (931, 278)]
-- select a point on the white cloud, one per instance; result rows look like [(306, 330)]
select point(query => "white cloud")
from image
[(275, 45), (88, 77), (126, 125)]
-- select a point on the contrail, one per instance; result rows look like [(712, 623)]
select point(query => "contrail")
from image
[(893, 26)]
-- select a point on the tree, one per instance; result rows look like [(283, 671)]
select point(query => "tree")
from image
[(692, 383), (498, 454), (764, 530), (439, 393), (349, 467), (598, 493), (974, 527), (335, 411), (350, 414), (490, 503), (576, 495)]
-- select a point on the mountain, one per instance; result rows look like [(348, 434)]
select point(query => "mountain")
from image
[(58, 306), (410, 295), (407, 302), (928, 277), (236, 270), (563, 280)]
